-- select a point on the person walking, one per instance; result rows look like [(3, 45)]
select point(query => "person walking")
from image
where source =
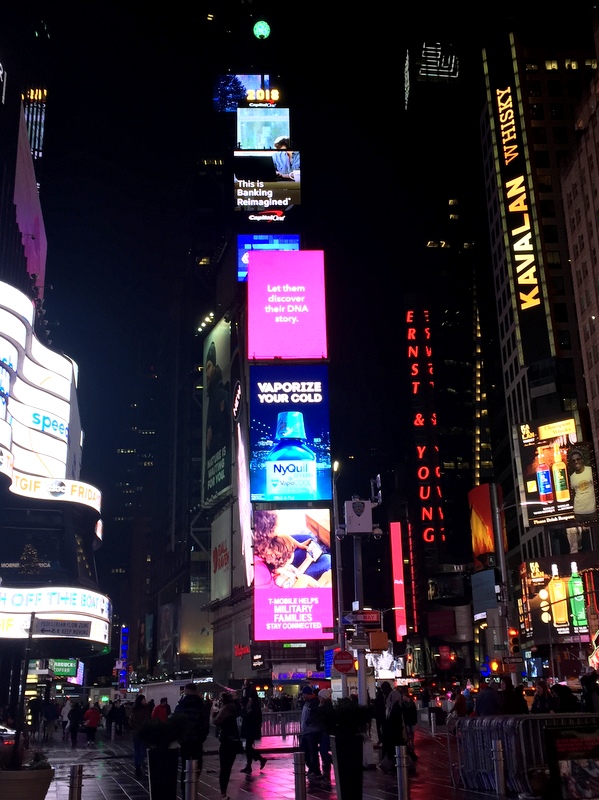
[(91, 721), (192, 743), (75, 722), (162, 711), (64, 717), (487, 701), (392, 728), (542, 702), (410, 716), (225, 721), (310, 730), (520, 704), (379, 715), (139, 716), (327, 727), (251, 725)]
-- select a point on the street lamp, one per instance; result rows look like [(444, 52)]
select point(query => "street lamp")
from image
[(339, 573)]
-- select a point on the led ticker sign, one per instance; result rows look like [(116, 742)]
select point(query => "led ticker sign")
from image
[(424, 423), (290, 452), (54, 489), (286, 305), (559, 474), (293, 592)]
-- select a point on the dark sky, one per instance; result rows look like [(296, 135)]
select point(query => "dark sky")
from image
[(129, 113)]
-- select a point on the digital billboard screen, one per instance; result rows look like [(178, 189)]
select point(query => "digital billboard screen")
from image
[(259, 128), (559, 474), (290, 443), (286, 305), (233, 91), (266, 180), (556, 592), (246, 242), (293, 591)]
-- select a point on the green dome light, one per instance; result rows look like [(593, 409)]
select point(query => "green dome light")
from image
[(261, 29)]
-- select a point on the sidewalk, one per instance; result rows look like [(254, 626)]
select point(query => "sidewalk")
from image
[(108, 772)]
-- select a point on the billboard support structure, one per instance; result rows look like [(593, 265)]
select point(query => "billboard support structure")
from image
[(339, 573), (496, 510)]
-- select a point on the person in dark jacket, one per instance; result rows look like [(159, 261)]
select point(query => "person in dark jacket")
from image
[(487, 701), (310, 731), (75, 722), (565, 701), (542, 702), (251, 725), (521, 705), (225, 722), (139, 716), (590, 693), (393, 733), (192, 743)]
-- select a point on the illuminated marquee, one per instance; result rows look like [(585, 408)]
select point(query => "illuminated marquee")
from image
[(424, 423)]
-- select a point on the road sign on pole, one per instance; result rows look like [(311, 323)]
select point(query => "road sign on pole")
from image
[(61, 627), (343, 661), (365, 617)]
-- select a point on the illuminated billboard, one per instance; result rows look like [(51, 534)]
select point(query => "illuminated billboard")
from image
[(58, 611), (37, 410), (555, 597), (523, 251), (217, 420), (261, 241), (259, 128), (290, 450), (286, 305), (266, 180), (399, 589), (293, 589), (559, 474), (481, 526), (234, 91)]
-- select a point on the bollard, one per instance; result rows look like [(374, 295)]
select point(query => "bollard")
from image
[(433, 719), (299, 771), (112, 732), (76, 782), (283, 728), (498, 767), (403, 779), (191, 779)]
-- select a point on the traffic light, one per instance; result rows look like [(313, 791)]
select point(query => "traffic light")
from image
[(494, 666), (514, 642)]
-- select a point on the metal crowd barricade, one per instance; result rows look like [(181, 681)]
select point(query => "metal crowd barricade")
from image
[(473, 746), (281, 723)]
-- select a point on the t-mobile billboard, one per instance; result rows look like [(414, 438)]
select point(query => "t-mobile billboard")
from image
[(290, 443), (286, 305), (293, 594)]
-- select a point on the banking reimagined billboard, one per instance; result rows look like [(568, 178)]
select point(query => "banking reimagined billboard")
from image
[(290, 442), (293, 588), (286, 305), (266, 180)]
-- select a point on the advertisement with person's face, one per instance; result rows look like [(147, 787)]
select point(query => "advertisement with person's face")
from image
[(217, 422), (555, 597), (290, 449), (558, 474), (266, 180), (293, 582)]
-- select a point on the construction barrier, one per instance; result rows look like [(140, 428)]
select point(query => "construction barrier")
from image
[(474, 745)]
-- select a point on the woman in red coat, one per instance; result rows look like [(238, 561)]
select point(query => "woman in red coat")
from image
[(91, 720)]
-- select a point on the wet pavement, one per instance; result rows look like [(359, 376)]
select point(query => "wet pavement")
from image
[(109, 774)]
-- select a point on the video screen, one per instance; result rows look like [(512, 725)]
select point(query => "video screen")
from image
[(290, 442), (260, 128), (293, 575), (261, 241), (286, 305), (234, 91), (266, 180)]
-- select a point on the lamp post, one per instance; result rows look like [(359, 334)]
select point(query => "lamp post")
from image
[(339, 573)]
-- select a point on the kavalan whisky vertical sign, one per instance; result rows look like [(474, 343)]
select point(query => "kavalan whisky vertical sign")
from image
[(518, 213)]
